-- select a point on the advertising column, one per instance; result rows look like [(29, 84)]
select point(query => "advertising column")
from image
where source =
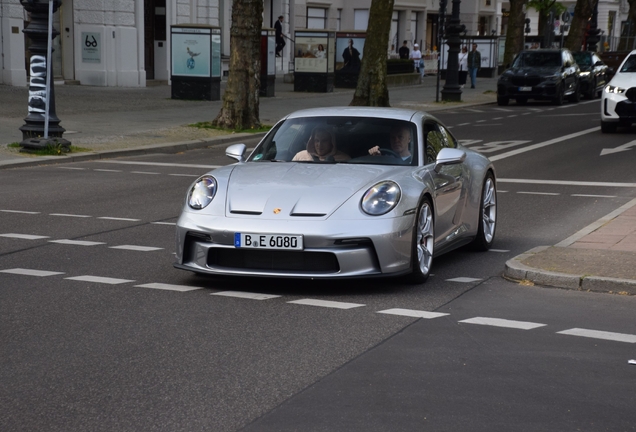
[(314, 61)]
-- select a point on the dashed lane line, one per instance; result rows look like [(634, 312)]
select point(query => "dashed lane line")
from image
[(99, 279), (169, 287), (539, 193), (24, 236), (69, 215), (31, 272), (20, 211), (245, 295), (463, 280), (119, 219), (136, 248), (326, 303), (596, 334), (413, 313), (498, 322), (76, 242)]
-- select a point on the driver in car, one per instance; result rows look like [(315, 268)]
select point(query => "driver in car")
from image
[(400, 139)]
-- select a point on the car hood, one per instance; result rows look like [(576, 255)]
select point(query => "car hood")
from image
[(624, 80), (298, 189), (534, 71)]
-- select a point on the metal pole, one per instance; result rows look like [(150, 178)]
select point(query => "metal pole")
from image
[(49, 48), (440, 26)]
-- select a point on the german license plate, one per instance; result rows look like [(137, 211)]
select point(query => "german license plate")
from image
[(525, 88), (268, 241)]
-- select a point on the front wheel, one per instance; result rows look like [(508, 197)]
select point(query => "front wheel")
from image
[(576, 96), (423, 242), (487, 215)]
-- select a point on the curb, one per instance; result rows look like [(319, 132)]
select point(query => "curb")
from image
[(137, 151), (517, 271)]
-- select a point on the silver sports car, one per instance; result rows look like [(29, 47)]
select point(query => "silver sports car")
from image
[(340, 192)]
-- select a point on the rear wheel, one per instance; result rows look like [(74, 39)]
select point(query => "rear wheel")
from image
[(487, 215), (608, 127), (502, 101), (423, 242)]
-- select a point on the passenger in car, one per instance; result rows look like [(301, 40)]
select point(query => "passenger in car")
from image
[(400, 141), (321, 147)]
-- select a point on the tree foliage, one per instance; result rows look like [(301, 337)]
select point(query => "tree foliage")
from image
[(582, 14), (544, 7), (514, 35), (372, 88), (241, 97)]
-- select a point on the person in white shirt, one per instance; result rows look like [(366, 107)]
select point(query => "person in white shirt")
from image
[(416, 56), (463, 66)]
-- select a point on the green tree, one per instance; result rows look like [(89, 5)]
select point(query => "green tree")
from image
[(372, 88), (514, 34), (582, 14), (241, 98), (544, 7)]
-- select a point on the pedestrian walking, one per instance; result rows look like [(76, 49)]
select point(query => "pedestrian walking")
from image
[(474, 63), (416, 55), (463, 66), (280, 40)]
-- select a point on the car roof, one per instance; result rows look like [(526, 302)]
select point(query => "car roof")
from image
[(388, 113)]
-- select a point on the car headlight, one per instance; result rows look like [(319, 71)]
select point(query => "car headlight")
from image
[(202, 192), (381, 198), (504, 77), (584, 74), (614, 89)]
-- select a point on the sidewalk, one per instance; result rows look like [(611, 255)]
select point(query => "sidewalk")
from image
[(114, 122)]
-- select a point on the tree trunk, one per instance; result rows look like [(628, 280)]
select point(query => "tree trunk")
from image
[(515, 33), (580, 21), (241, 97), (372, 89)]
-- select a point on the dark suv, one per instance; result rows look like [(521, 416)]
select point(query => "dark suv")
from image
[(594, 74), (544, 74)]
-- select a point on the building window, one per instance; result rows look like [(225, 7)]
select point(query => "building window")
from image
[(414, 26), (339, 20), (360, 19), (316, 18)]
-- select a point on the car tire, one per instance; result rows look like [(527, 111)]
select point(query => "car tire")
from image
[(502, 101), (522, 101), (608, 127), (558, 99), (487, 215), (423, 242), (576, 96)]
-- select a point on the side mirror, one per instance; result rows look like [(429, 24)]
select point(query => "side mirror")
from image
[(449, 156), (236, 151)]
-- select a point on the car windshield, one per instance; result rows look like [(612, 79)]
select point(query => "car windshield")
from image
[(340, 139), (630, 64), (538, 59), (582, 59)]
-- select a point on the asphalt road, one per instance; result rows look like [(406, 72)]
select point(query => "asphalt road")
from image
[(112, 337)]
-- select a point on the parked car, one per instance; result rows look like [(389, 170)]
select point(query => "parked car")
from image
[(393, 190), (618, 103), (594, 73), (542, 74)]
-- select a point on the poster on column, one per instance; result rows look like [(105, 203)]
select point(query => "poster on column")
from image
[(91, 47), (191, 53)]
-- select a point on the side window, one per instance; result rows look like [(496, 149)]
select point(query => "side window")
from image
[(437, 138)]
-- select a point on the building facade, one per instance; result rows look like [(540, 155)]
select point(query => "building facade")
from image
[(126, 43)]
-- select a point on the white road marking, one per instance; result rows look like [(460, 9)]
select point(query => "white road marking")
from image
[(107, 170), (498, 322), (163, 223), (413, 313), (185, 175), (463, 124), (69, 215), (539, 193), (463, 280), (119, 219), (31, 272), (474, 110), (497, 118), (19, 211), (168, 287), (499, 250), (595, 334), (24, 236), (493, 146), (565, 182), (72, 168), (511, 116), (502, 109), (467, 143), (593, 196), (544, 144), (77, 242), (98, 279), (245, 295), (136, 248), (145, 172), (326, 303), (622, 148), (159, 164), (480, 121), (502, 191)]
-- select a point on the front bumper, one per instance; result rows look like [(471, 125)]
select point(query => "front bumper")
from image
[(531, 88), (616, 107), (332, 249)]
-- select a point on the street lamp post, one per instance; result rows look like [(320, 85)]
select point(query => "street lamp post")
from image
[(452, 91), (40, 132), (441, 20)]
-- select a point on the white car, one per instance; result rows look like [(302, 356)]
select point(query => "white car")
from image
[(618, 106)]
